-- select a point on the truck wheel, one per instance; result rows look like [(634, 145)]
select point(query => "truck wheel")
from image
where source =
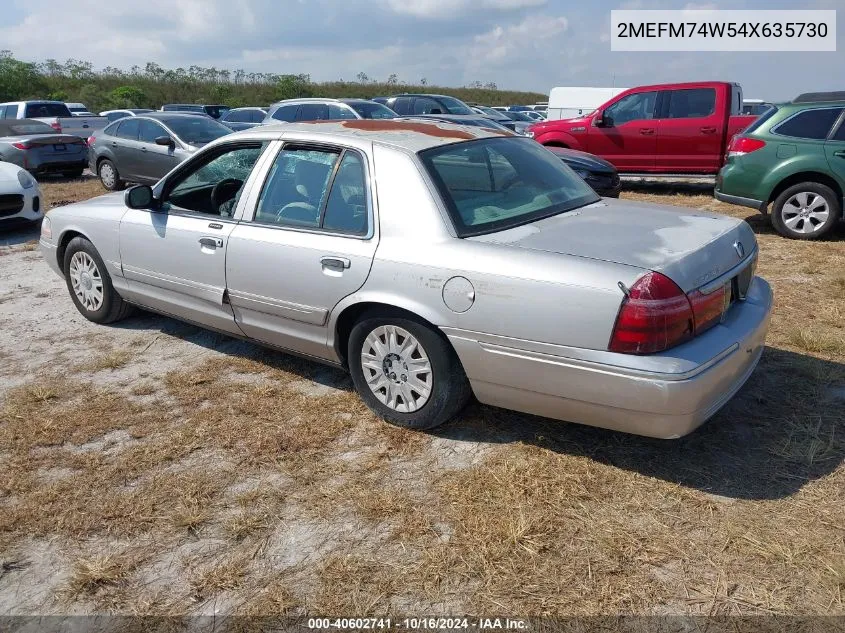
[(806, 211), (109, 176)]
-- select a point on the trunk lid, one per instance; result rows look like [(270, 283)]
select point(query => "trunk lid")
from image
[(690, 247)]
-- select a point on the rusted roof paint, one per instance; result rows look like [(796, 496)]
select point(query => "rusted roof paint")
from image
[(386, 125)]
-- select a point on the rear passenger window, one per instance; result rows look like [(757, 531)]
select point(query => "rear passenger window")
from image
[(341, 112), (286, 113), (257, 116), (840, 133), (424, 105), (315, 189), (690, 104), (401, 105), (312, 112), (810, 124), (295, 190), (346, 209), (128, 129)]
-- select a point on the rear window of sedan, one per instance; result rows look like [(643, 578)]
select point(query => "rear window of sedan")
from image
[(10, 128), (494, 184), (196, 129)]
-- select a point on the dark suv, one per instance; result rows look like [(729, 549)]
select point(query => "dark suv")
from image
[(793, 157), (410, 104)]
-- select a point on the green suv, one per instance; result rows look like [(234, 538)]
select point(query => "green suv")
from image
[(793, 157)]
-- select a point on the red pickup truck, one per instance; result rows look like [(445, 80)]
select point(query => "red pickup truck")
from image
[(667, 128)]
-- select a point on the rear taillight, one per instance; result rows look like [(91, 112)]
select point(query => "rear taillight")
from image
[(56, 126), (91, 140), (24, 145), (707, 309), (655, 315), (741, 145)]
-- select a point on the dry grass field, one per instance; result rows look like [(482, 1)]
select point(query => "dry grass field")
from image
[(155, 468)]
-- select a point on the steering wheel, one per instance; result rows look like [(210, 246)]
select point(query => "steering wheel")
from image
[(224, 191)]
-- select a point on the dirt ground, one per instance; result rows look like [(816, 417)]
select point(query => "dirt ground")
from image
[(152, 467)]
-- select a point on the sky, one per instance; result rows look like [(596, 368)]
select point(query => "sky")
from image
[(518, 44)]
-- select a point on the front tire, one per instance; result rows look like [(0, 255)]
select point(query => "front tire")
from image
[(405, 372), (109, 176), (806, 211), (90, 285)]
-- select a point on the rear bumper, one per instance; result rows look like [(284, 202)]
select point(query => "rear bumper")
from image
[(739, 200), (53, 167), (684, 387)]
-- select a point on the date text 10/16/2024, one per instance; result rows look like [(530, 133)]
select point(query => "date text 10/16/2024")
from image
[(423, 623)]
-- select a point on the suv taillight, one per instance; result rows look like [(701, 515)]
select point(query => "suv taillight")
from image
[(741, 145), (56, 126), (655, 315)]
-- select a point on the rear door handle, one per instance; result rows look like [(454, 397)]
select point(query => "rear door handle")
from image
[(212, 242), (708, 130), (647, 131), (335, 263), (215, 225), (839, 154)]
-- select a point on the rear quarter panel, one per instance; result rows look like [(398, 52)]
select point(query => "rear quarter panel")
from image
[(519, 293)]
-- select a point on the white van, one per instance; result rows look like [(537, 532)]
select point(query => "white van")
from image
[(569, 102)]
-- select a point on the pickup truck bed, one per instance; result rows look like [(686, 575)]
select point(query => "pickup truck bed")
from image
[(56, 115)]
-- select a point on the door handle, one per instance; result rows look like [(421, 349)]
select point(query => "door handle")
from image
[(215, 225), (708, 130), (839, 154), (647, 131), (212, 242), (143, 149), (335, 263)]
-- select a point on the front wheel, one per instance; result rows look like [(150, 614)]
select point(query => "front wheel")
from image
[(806, 211), (405, 372), (90, 285)]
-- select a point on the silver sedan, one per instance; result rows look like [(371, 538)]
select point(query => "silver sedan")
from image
[(434, 261)]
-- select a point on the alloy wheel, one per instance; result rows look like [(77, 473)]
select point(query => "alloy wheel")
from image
[(805, 212)]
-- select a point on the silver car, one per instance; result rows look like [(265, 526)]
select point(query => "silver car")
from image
[(434, 261), (143, 148)]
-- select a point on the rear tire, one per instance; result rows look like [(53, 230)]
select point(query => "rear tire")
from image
[(109, 176), (404, 371), (90, 285), (806, 211)]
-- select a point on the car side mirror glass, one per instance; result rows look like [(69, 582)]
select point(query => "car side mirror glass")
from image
[(140, 197), (602, 120), (165, 140)]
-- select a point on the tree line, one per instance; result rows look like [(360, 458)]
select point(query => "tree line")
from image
[(152, 85)]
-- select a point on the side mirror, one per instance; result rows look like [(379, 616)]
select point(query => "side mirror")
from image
[(140, 197), (600, 120), (165, 140)]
